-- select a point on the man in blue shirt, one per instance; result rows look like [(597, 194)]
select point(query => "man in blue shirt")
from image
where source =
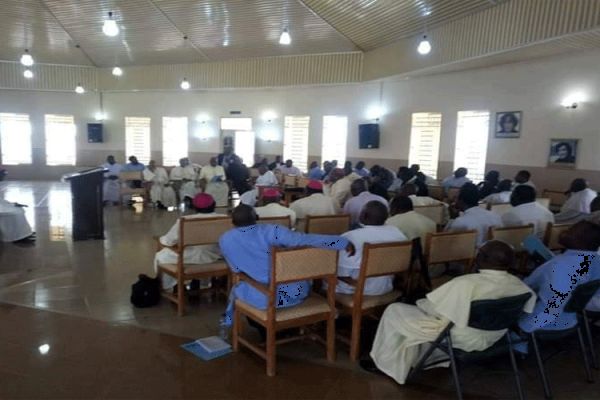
[(555, 280), (247, 248), (314, 172)]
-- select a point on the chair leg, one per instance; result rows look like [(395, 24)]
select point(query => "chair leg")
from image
[(454, 368), (515, 367), (331, 339), (235, 331), (540, 363), (180, 297), (590, 338), (355, 337), (271, 351), (584, 355)]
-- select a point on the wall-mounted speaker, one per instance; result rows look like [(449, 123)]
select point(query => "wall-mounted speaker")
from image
[(368, 136), (94, 132)]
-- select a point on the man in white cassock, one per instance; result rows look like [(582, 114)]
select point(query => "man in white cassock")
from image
[(183, 178), (161, 192), (212, 177), (205, 208), (111, 188), (404, 329), (13, 224)]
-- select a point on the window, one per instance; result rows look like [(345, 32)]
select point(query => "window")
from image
[(60, 139), (425, 142), (244, 146), (15, 139), (335, 131), (137, 138), (175, 140), (295, 140), (471, 142)]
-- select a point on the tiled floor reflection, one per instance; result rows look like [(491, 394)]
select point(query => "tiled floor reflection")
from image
[(99, 346)]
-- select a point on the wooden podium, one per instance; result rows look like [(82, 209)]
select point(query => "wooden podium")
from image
[(87, 204)]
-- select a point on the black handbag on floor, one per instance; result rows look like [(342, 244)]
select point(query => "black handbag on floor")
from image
[(145, 292)]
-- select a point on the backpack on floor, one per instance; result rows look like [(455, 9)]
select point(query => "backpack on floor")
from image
[(145, 292)]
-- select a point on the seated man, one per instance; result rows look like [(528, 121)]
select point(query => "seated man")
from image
[(247, 249), (111, 189), (204, 205), (555, 280), (315, 202), (523, 177), (473, 217), (13, 224), (489, 184), (266, 177), (315, 172), (183, 179), (595, 209), (502, 195), (341, 181), (361, 196), (457, 180), (404, 329), (527, 211), (289, 169), (373, 218), (580, 197), (412, 224), (272, 208), (161, 193), (361, 170), (212, 178)]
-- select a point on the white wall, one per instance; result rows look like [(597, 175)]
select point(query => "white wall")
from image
[(536, 88)]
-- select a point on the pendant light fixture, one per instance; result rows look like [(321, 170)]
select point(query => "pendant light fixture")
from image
[(110, 27), (27, 59), (185, 85), (424, 47), (285, 38), (79, 89), (28, 73), (116, 71)]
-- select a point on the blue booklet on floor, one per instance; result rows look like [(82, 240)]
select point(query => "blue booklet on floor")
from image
[(208, 348)]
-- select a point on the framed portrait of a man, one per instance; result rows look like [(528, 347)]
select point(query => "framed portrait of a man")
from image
[(563, 153), (508, 124)]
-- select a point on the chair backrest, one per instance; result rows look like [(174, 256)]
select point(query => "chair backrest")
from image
[(302, 181), (582, 295), (290, 180), (285, 221), (199, 231), (450, 246), (130, 176), (556, 197), (385, 258), (452, 194), (553, 231), (302, 263), (436, 191), (495, 315), (513, 235), (543, 201), (434, 212), (500, 208), (328, 224)]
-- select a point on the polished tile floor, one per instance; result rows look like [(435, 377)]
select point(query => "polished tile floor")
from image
[(67, 329)]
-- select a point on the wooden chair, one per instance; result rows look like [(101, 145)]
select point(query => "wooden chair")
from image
[(377, 260), (436, 191), (446, 247), (434, 212), (514, 235), (195, 232), (290, 265), (290, 181), (328, 224), (127, 177), (553, 231), (500, 208), (284, 221), (557, 198), (452, 195), (302, 181), (544, 202)]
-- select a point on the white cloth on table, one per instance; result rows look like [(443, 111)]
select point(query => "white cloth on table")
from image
[(405, 329), (350, 266), (158, 191), (13, 224), (276, 210), (111, 188), (529, 213), (478, 219), (498, 198), (580, 201), (192, 255), (267, 179), (215, 184)]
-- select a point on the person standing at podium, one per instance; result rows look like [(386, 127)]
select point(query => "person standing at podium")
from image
[(111, 188)]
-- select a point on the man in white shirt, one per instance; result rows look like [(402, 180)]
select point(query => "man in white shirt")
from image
[(580, 197), (212, 178), (523, 177), (412, 224), (315, 203), (272, 208), (339, 191), (404, 329), (161, 193), (205, 207), (183, 179), (266, 177), (361, 196), (289, 169), (457, 180), (473, 217), (111, 189), (503, 194), (373, 218), (13, 223), (527, 211)]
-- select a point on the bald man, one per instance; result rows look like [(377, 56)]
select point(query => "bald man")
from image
[(404, 328)]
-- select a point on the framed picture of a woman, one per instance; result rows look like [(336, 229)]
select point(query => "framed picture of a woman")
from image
[(563, 153), (508, 124)]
